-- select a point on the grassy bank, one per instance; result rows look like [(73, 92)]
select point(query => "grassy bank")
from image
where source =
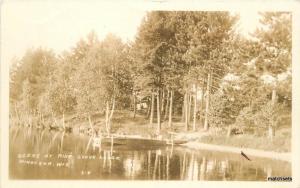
[(279, 144), (123, 123), (286, 156)]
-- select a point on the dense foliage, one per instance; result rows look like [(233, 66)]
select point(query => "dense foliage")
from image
[(193, 64)]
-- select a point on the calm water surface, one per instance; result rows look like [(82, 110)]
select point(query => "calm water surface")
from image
[(37, 154)]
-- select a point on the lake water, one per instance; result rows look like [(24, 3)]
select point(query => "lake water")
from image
[(37, 154)]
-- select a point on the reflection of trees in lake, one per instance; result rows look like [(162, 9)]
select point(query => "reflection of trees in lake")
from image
[(149, 164), (155, 164), (161, 169), (107, 160), (203, 169), (132, 165), (268, 171), (193, 169), (161, 164)]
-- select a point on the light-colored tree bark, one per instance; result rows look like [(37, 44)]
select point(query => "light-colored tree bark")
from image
[(158, 113), (183, 107), (201, 104), (134, 105), (152, 108), (91, 123), (63, 120), (167, 105), (162, 102), (171, 109), (186, 112), (189, 107), (108, 115), (112, 112), (195, 111), (207, 98), (229, 129)]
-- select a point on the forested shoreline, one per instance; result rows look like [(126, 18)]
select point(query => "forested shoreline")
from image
[(185, 72)]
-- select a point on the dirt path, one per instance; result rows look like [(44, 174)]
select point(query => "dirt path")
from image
[(247, 151)]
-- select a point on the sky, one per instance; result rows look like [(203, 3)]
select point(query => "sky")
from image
[(60, 25)]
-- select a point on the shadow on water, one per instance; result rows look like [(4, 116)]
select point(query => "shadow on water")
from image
[(44, 154)]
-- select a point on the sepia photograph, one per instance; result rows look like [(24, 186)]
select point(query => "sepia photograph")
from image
[(102, 91)]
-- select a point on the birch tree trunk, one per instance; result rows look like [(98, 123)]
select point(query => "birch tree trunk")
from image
[(170, 108), (186, 112), (162, 101), (158, 113), (106, 117), (63, 121), (207, 101), (229, 129), (195, 111), (111, 114), (201, 104), (152, 108), (167, 104), (189, 108), (91, 124), (134, 105), (183, 107), (148, 109)]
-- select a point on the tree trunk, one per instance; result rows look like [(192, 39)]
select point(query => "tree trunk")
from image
[(134, 105), (152, 108), (195, 111), (148, 108), (54, 119), (167, 105), (189, 108), (162, 102), (186, 112), (63, 121), (201, 104), (271, 130), (106, 117), (170, 108), (183, 108), (229, 131), (207, 102), (158, 113), (111, 114), (91, 124)]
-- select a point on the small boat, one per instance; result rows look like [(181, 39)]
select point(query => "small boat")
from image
[(140, 142), (179, 142)]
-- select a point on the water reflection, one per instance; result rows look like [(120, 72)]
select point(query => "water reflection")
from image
[(66, 156)]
